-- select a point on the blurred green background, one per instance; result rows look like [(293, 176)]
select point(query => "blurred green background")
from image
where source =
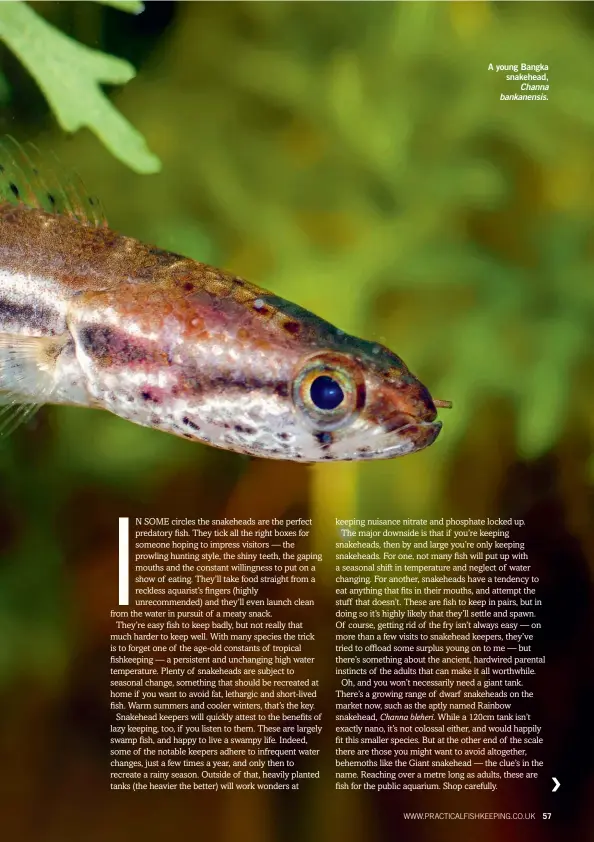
[(355, 158)]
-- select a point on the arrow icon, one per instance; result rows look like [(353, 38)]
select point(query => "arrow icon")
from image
[(557, 784)]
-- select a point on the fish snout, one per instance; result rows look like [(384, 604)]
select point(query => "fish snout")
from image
[(421, 404), (410, 406), (409, 415)]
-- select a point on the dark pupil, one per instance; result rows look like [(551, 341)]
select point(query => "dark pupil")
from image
[(326, 393)]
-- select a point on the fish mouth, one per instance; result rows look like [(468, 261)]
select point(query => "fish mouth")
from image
[(408, 438), (420, 433), (411, 437)]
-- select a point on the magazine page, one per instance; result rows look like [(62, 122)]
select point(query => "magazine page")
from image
[(296, 421)]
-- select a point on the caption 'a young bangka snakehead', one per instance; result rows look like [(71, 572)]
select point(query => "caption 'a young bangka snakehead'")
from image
[(92, 318)]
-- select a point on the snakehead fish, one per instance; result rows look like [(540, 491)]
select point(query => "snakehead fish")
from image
[(91, 318)]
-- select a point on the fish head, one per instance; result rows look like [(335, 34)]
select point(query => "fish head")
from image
[(316, 393), (360, 402)]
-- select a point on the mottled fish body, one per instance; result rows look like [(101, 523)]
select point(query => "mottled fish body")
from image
[(92, 318)]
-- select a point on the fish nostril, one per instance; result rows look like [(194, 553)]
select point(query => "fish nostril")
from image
[(431, 413), (425, 408)]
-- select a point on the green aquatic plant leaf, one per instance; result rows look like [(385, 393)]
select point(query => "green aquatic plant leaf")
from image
[(135, 7), (70, 75)]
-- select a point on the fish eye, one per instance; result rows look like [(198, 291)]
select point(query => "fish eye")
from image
[(328, 391)]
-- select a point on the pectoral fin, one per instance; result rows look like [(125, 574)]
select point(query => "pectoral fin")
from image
[(27, 381)]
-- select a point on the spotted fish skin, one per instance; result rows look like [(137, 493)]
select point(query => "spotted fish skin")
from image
[(92, 318)]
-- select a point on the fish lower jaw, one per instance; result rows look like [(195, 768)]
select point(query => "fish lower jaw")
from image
[(420, 434), (409, 438)]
